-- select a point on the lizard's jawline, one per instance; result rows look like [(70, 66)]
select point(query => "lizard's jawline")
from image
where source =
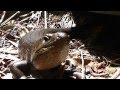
[(41, 51)]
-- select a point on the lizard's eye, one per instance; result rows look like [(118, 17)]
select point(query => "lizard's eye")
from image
[(46, 38)]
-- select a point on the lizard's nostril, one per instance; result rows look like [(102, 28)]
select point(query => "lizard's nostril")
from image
[(61, 34)]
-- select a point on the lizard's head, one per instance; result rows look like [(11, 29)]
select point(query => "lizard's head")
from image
[(51, 50)]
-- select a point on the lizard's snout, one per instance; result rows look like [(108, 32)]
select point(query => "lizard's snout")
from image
[(61, 35)]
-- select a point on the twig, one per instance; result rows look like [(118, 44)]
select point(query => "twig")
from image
[(112, 61), (1, 72), (45, 15), (24, 19), (2, 17), (115, 61), (83, 66), (9, 18), (15, 44), (24, 15), (39, 15), (99, 75)]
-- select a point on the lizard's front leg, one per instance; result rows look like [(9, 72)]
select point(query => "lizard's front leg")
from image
[(20, 69)]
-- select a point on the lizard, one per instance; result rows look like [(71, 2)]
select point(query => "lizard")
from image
[(41, 50)]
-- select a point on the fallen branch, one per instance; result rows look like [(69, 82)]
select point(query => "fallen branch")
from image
[(45, 16), (13, 43), (24, 19), (2, 24), (24, 15), (39, 15), (2, 17), (83, 66)]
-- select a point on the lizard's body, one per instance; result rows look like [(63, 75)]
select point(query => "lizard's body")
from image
[(41, 50)]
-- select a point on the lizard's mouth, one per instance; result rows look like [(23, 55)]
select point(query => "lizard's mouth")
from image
[(41, 51)]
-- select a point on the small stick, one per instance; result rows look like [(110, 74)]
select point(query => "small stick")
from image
[(24, 19), (24, 15), (9, 18), (111, 61), (45, 15), (83, 66), (13, 43), (2, 17), (99, 75), (39, 15)]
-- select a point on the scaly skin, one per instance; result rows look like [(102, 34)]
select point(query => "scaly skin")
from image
[(41, 50)]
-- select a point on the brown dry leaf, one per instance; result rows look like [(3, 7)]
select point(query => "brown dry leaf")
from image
[(7, 27), (76, 63), (78, 75), (88, 68), (75, 54), (104, 74), (75, 58)]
